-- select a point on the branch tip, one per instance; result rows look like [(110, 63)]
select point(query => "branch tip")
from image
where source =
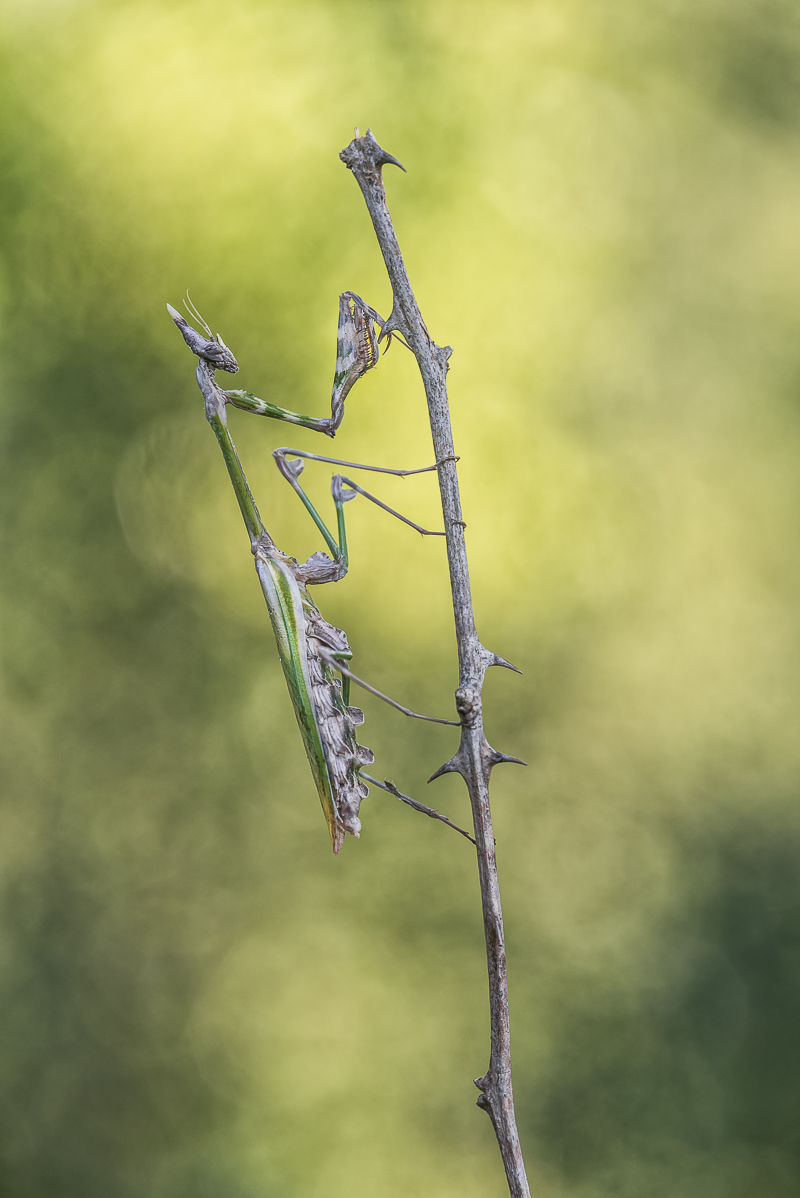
[(365, 152)]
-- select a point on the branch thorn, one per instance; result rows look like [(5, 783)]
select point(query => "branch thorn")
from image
[(453, 766), (383, 157), (494, 659), (496, 758)]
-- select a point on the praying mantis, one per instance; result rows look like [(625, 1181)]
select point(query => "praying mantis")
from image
[(311, 651)]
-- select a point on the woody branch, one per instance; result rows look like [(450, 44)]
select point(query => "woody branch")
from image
[(475, 757)]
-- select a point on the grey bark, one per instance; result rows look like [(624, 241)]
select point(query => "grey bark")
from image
[(475, 756)]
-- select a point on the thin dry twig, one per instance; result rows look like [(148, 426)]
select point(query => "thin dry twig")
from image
[(475, 756)]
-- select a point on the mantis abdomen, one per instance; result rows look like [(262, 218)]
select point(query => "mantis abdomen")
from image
[(327, 724)]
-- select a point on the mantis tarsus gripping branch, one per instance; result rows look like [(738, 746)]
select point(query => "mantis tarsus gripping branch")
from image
[(313, 652)]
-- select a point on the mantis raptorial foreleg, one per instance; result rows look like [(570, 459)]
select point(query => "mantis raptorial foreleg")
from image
[(356, 353)]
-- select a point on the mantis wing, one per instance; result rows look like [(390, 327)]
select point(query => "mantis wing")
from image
[(327, 725)]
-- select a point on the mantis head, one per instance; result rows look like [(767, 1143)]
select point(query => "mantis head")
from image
[(211, 347)]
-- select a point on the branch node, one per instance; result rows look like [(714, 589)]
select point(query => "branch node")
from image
[(484, 1101), (468, 704), (394, 324)]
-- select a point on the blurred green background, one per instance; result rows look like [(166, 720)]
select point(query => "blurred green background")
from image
[(602, 215)]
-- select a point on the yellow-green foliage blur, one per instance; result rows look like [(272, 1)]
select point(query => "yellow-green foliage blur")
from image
[(602, 216)]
